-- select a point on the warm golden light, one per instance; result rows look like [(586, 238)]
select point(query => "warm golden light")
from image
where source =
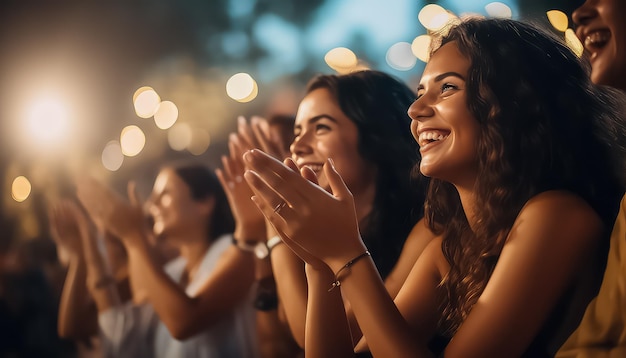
[(20, 190), (573, 42), (421, 47), (132, 140), (112, 156), (433, 17), (47, 119), (558, 19), (179, 136), (166, 115), (242, 87), (498, 9), (400, 57), (200, 141), (341, 59), (146, 102)]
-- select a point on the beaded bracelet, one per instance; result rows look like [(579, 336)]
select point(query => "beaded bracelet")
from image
[(336, 282)]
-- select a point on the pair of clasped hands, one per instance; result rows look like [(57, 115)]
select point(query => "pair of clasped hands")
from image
[(319, 226)]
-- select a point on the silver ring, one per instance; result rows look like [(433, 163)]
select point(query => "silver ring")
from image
[(280, 206)]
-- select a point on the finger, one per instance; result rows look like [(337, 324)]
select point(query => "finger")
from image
[(308, 174), (228, 170), (274, 203), (262, 136), (291, 164), (246, 133), (337, 185), (277, 221), (280, 178)]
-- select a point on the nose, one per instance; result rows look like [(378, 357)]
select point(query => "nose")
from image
[(585, 13), (301, 144), (420, 109)]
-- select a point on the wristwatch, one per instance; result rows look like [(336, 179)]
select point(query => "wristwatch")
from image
[(259, 248)]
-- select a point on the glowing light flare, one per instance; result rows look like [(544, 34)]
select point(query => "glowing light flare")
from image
[(341, 59), (433, 17), (242, 87), (200, 141), (421, 47), (112, 156), (400, 57), (573, 42), (47, 119), (166, 115), (20, 189), (498, 9), (146, 102), (558, 19), (179, 136), (132, 140)]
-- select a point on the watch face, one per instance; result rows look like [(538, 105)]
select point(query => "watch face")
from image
[(261, 251)]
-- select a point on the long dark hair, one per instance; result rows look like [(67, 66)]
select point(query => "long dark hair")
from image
[(377, 103), (544, 126), (203, 184)]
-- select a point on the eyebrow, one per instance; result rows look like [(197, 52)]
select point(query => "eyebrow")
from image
[(317, 118), (440, 77)]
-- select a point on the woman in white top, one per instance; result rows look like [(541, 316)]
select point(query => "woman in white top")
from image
[(198, 304)]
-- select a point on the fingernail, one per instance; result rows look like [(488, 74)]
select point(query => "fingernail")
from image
[(332, 162), (241, 120)]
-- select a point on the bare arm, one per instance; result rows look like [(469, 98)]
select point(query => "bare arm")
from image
[(183, 315)]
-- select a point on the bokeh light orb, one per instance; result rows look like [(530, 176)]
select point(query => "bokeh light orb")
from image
[(146, 102), (499, 10), (341, 59), (112, 156), (166, 115), (400, 56), (558, 19), (200, 141), (132, 140), (20, 189), (433, 17), (47, 119), (573, 42), (242, 87), (421, 47), (179, 136)]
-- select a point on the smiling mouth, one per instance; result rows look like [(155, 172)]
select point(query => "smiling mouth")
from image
[(314, 167), (597, 40), (431, 136)]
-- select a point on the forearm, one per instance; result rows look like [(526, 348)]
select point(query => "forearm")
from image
[(387, 332), (100, 282), (169, 300), (292, 287), (327, 331), (75, 302)]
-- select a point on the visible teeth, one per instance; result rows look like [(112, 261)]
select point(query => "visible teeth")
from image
[(428, 136), (597, 38), (314, 167)]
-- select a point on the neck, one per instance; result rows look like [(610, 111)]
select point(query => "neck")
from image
[(364, 200), (192, 248)]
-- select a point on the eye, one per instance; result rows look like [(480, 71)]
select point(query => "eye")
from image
[(447, 87), (321, 128)]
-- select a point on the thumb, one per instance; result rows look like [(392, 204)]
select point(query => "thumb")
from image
[(337, 185)]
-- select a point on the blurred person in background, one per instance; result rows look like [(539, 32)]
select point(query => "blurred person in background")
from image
[(601, 27)]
